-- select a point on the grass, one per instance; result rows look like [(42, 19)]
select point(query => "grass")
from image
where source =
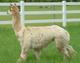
[(10, 48)]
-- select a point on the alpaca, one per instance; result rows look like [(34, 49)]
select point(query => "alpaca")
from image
[(37, 38)]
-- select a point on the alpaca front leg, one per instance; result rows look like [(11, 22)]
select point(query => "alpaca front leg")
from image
[(37, 53), (22, 57)]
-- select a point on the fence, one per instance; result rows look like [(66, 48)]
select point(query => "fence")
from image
[(64, 12)]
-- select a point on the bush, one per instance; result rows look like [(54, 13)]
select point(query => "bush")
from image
[(9, 0)]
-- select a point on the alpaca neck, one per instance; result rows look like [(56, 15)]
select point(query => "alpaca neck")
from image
[(17, 25)]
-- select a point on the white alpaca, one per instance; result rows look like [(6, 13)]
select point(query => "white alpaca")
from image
[(38, 37)]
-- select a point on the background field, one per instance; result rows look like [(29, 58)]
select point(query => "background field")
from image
[(10, 48)]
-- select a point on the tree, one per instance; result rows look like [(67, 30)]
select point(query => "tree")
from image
[(9, 0), (27, 0)]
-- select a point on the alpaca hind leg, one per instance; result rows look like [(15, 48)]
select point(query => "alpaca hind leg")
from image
[(61, 46), (71, 51), (64, 47)]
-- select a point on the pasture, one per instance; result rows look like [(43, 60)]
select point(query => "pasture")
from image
[(10, 47)]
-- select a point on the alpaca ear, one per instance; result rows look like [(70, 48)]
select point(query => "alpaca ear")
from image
[(11, 4), (19, 8), (15, 4)]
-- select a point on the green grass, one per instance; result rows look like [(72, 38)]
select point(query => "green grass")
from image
[(10, 47)]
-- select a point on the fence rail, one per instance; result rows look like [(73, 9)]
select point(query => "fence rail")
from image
[(43, 12), (64, 12)]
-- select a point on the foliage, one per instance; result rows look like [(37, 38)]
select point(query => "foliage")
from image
[(9, 0)]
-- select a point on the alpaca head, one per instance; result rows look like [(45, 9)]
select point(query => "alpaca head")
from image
[(14, 10)]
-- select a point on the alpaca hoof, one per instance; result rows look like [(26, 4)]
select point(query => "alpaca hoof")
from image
[(20, 60)]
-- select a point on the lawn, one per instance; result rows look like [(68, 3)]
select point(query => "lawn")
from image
[(10, 47)]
